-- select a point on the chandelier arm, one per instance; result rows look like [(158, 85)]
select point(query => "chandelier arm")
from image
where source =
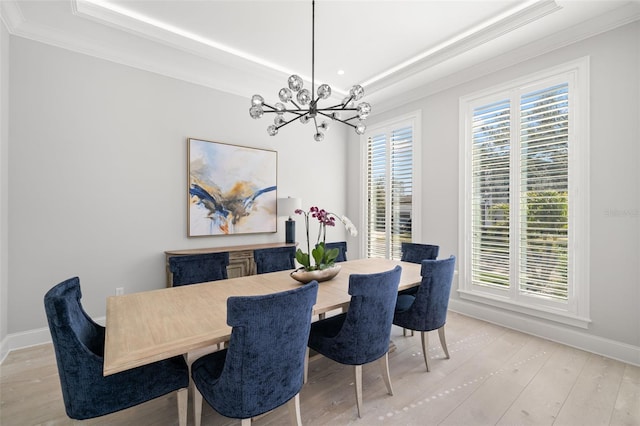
[(344, 104), (290, 121), (299, 111), (337, 106), (292, 111), (337, 119), (349, 119)]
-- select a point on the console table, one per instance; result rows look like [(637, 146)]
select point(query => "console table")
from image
[(240, 258)]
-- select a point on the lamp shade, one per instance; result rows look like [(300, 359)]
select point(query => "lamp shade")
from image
[(287, 206)]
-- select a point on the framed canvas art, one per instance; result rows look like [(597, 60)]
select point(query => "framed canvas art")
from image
[(232, 189)]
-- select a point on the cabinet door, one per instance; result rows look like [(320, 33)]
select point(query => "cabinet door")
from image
[(241, 264)]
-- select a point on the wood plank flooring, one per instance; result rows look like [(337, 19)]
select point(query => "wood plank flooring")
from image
[(495, 376)]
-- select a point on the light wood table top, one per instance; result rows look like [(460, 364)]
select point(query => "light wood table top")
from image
[(153, 325)]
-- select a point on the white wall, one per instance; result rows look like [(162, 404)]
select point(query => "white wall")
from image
[(614, 181), (4, 184), (98, 174)]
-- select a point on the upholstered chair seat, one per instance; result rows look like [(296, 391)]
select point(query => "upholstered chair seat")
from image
[(78, 343), (263, 366), (362, 334), (426, 310)]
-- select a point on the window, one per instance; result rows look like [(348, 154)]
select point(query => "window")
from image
[(390, 170), (524, 206)]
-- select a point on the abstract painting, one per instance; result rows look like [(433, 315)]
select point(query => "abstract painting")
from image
[(232, 189)]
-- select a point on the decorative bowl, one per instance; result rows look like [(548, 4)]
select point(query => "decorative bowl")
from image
[(319, 275)]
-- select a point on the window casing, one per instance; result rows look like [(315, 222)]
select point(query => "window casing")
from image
[(389, 172), (524, 196)]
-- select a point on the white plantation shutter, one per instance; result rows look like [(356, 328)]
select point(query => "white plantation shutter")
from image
[(389, 190), (544, 186), (401, 164), (524, 205), (523, 215), (490, 252), (376, 195)]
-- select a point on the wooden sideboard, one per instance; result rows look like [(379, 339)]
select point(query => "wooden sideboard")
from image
[(240, 258)]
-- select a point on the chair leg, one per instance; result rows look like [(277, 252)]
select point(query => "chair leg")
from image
[(384, 366), (425, 349), (294, 410), (197, 406), (183, 398), (443, 342), (306, 367), (358, 379), (404, 332)]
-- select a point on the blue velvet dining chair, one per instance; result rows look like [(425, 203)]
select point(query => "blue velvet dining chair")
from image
[(362, 334), (341, 246), (274, 259), (263, 366), (78, 343), (198, 268), (427, 309), (416, 253)]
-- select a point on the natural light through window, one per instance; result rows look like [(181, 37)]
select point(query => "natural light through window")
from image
[(390, 175), (524, 165)]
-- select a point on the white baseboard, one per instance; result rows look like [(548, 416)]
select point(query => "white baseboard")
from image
[(548, 330), (25, 339), (4, 351)]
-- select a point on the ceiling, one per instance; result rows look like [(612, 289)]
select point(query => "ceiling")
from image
[(246, 47)]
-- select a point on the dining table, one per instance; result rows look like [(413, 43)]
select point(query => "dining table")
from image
[(149, 326)]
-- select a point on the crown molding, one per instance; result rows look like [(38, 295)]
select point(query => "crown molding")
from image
[(607, 22), (11, 15), (189, 43), (477, 38)]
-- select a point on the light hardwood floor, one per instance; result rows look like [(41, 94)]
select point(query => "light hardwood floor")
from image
[(495, 376)]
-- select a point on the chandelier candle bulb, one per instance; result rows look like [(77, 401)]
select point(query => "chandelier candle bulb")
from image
[(306, 108)]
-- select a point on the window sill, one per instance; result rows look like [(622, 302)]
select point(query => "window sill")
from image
[(527, 309)]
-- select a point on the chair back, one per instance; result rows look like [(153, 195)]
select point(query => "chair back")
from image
[(366, 330), (342, 247), (416, 253), (274, 259), (429, 309), (264, 365), (78, 343), (198, 268)]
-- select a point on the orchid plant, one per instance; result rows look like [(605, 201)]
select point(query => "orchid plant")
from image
[(321, 257)]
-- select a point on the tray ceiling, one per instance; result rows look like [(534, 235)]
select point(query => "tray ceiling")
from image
[(246, 47)]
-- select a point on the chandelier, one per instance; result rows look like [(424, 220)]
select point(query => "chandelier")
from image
[(306, 108)]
